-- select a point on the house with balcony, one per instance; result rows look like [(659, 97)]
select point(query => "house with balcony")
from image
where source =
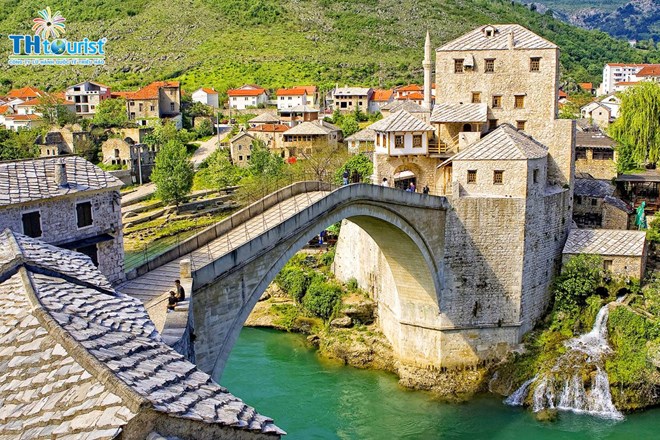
[(302, 139), (458, 126), (272, 135), (301, 113), (87, 96)]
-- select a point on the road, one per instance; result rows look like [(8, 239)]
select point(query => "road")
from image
[(205, 149)]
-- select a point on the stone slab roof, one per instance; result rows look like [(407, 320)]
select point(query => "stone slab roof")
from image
[(313, 128), (29, 180), (619, 204), (79, 360), (644, 176), (400, 121), (613, 242), (460, 113), (478, 40), (594, 140), (408, 106), (265, 118), (593, 188), (505, 143), (352, 91), (366, 135)]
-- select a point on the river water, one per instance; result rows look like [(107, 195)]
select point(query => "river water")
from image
[(311, 398)]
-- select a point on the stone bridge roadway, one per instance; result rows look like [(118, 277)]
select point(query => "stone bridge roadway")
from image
[(235, 260)]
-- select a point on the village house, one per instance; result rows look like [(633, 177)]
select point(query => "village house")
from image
[(587, 87), (5, 110), (272, 135), (17, 122), (595, 154), (156, 101), (650, 72), (597, 112), (640, 187), (380, 98), (87, 96), (247, 96), (300, 113), (293, 97), (304, 138), (130, 152), (68, 202), (264, 118), (18, 96), (613, 102), (624, 253), (206, 96), (36, 106), (596, 207), (414, 109), (53, 144), (621, 74), (241, 148), (347, 99), (364, 141)]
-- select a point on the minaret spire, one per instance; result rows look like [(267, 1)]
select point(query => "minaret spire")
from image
[(427, 71)]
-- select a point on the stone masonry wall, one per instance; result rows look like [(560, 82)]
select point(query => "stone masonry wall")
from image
[(627, 266), (423, 167)]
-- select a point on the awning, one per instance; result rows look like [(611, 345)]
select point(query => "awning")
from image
[(404, 175), (86, 241)]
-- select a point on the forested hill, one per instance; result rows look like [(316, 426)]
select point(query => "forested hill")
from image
[(225, 43)]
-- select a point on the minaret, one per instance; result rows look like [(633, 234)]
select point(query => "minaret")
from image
[(427, 72)]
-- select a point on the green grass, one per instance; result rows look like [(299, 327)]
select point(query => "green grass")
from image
[(225, 43)]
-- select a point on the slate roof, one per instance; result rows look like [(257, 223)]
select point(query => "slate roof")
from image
[(312, 128), (79, 360), (300, 109), (619, 204), (351, 91), (477, 39), (264, 118), (505, 143), (460, 113), (240, 135), (594, 140), (400, 121), (593, 188), (408, 106), (605, 242), (29, 180), (366, 135)]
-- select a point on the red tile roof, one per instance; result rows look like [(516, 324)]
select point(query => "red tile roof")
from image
[(625, 83), (382, 95), (151, 91), (650, 70), (209, 91), (410, 88), (270, 128), (310, 89), (23, 117), (294, 91), (42, 100), (563, 94), (586, 86), (625, 65), (121, 94), (414, 96), (246, 92), (4, 109), (25, 92)]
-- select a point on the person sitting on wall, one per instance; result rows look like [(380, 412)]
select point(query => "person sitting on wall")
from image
[(180, 291), (345, 177), (171, 301), (385, 183)]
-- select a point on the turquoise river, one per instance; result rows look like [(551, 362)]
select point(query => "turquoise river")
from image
[(311, 398)]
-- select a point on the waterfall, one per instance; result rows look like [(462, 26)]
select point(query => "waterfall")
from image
[(564, 386)]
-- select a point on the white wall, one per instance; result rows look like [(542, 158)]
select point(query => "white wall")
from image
[(381, 143)]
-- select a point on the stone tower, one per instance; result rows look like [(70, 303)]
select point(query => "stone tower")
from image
[(427, 72)]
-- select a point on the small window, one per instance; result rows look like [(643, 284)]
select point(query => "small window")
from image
[(140, 107), (519, 101), (417, 141), (492, 124), (580, 153), (240, 147), (458, 66), (594, 202), (520, 125), (489, 66), (603, 155), (171, 106), (240, 157), (398, 141), (607, 265), (84, 214), (535, 175), (131, 103), (32, 224), (472, 176), (578, 200), (535, 64), (497, 101), (91, 252), (152, 107), (498, 177), (476, 97)]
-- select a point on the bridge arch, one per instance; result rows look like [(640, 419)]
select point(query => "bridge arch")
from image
[(408, 228)]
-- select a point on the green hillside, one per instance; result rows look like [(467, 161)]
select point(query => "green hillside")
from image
[(225, 43)]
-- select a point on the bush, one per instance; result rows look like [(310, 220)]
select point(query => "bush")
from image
[(352, 284), (322, 298), (580, 278), (294, 281)]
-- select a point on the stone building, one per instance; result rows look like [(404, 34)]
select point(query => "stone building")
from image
[(624, 253), (272, 135), (347, 99), (264, 118), (158, 100), (83, 361), (361, 142), (138, 158), (52, 144), (594, 205), (241, 148), (507, 171), (303, 138), (595, 154), (68, 202)]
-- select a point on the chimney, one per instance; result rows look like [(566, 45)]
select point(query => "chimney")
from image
[(511, 42), (60, 174)]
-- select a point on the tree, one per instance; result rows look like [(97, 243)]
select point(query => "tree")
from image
[(173, 173), (111, 113), (19, 145), (164, 133), (359, 167), (263, 163), (204, 128), (54, 112), (322, 161), (637, 129), (349, 126), (579, 279), (218, 171)]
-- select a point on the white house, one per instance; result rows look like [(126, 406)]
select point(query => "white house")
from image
[(206, 96), (293, 97), (618, 76), (379, 98), (598, 113), (246, 96), (612, 102), (402, 134), (87, 96), (16, 122)]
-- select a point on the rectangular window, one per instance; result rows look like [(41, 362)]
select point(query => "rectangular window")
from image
[(140, 107), (535, 175), (520, 125), (607, 265), (472, 176), (603, 155), (580, 153), (535, 64), (594, 202), (84, 214), (578, 200), (497, 101), (498, 177), (91, 252), (476, 97), (131, 103), (152, 107), (398, 141), (489, 66), (417, 141), (171, 106), (32, 224), (492, 124), (458, 66), (519, 101)]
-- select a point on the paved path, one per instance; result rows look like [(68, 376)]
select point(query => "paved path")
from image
[(160, 280), (205, 149), (141, 191)]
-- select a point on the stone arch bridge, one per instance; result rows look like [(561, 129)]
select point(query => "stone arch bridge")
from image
[(235, 261)]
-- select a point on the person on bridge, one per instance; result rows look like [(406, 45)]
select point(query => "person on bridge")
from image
[(322, 236), (345, 177), (180, 291), (412, 187), (385, 183), (171, 301), (426, 189)]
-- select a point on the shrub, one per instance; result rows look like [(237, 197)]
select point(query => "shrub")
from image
[(322, 298), (294, 281), (580, 278)]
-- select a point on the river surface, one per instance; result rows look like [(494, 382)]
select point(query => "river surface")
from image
[(312, 398)]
